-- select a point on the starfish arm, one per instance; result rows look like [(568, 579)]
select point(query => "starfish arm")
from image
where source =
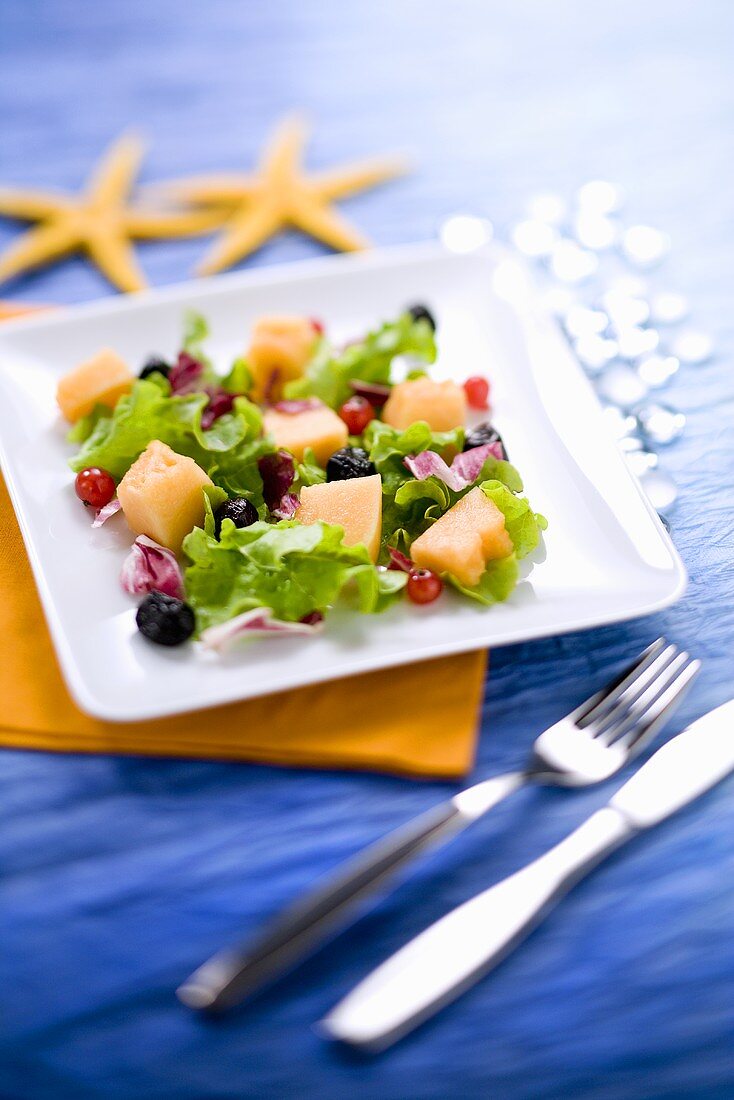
[(39, 245), (325, 223), (283, 153), (242, 235), (222, 190), (113, 255), (187, 223), (34, 205), (115, 175), (338, 183)]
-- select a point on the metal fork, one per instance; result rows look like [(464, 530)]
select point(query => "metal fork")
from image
[(589, 745)]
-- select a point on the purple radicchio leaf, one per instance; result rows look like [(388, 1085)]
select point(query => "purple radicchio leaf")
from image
[(151, 568), (258, 622), (185, 373), (103, 514), (287, 506), (292, 408), (464, 470), (278, 472)]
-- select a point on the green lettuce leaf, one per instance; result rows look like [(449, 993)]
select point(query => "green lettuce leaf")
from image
[(498, 581), (238, 379), (522, 523), (330, 372), (291, 568), (308, 472)]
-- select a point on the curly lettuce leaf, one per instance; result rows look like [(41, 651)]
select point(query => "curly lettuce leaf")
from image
[(330, 372), (238, 379), (523, 525), (289, 567), (498, 581), (228, 451), (308, 472)]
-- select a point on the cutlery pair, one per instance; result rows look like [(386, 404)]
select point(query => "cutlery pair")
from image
[(589, 745)]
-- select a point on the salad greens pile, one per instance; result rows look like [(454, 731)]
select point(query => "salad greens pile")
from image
[(330, 373), (299, 571), (286, 566)]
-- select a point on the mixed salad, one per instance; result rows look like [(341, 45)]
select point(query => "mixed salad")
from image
[(307, 474)]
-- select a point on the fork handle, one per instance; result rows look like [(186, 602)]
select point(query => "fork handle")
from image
[(232, 976), (457, 950)]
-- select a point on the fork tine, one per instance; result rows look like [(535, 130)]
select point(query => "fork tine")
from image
[(640, 734), (626, 721), (636, 687), (587, 711)]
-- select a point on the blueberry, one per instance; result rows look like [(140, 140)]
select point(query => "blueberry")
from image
[(155, 365), (349, 462), (422, 313), (483, 434), (165, 620), (240, 510)]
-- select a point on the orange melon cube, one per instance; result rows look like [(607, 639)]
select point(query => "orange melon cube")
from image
[(162, 495), (464, 539), (319, 428), (355, 505), (101, 380), (441, 404), (279, 352)]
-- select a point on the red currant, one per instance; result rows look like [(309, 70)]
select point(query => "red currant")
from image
[(424, 586), (94, 486), (317, 326), (356, 414), (476, 389)]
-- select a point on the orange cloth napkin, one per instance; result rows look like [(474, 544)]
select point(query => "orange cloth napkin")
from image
[(425, 724)]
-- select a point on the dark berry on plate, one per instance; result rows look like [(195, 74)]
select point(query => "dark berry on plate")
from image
[(155, 365), (240, 510), (94, 486), (349, 462), (165, 620), (422, 313), (424, 586), (476, 389), (356, 412), (312, 619), (483, 434)]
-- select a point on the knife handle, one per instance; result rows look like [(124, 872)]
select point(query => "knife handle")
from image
[(453, 953), (231, 976)]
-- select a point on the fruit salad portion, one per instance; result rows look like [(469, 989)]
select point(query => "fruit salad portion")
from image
[(307, 474)]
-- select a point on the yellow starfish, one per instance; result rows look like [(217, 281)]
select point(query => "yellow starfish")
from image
[(279, 194), (100, 221)]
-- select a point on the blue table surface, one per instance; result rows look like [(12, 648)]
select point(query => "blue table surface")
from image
[(117, 876)]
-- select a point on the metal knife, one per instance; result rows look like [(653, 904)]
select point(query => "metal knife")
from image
[(450, 956)]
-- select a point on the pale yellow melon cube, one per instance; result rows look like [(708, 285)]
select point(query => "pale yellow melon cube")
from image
[(162, 495), (464, 539), (319, 428), (441, 404), (355, 505), (101, 380), (279, 352)]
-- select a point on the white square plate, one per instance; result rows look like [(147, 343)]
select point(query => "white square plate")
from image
[(607, 557)]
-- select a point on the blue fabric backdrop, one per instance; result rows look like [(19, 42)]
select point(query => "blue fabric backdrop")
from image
[(118, 876)]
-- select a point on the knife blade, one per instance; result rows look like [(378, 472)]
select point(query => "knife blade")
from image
[(452, 954)]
